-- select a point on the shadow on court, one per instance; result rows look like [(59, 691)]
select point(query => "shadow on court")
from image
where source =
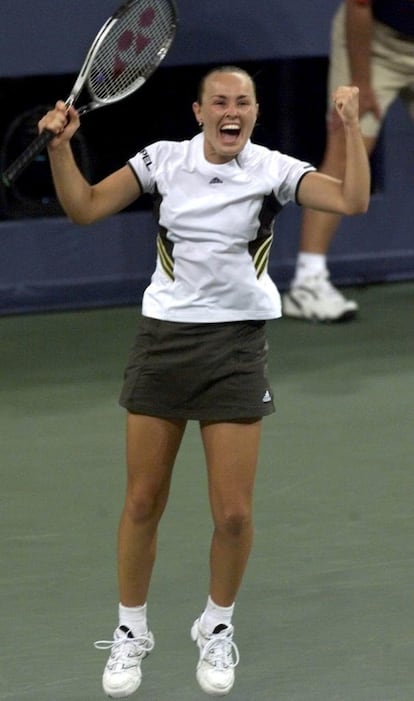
[(326, 609)]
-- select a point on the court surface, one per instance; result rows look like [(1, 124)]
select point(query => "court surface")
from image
[(326, 612)]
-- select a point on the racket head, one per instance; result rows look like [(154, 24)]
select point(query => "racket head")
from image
[(130, 47)]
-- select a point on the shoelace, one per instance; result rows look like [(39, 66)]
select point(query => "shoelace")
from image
[(142, 645), (221, 651)]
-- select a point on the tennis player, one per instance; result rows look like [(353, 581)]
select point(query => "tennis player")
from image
[(200, 352)]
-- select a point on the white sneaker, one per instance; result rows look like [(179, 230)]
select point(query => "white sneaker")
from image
[(316, 299), (218, 658), (122, 674)]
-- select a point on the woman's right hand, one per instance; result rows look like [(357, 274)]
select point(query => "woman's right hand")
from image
[(62, 120)]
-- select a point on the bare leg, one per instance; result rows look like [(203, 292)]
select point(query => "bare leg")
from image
[(231, 452), (152, 446), (318, 228)]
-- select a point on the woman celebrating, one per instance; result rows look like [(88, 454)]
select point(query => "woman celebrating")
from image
[(201, 352)]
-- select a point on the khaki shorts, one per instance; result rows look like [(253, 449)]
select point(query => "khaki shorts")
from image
[(212, 372), (392, 68)]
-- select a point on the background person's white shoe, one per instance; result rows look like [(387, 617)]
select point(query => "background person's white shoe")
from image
[(218, 658), (122, 674), (316, 299)]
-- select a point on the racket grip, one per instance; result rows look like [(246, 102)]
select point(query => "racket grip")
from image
[(25, 158)]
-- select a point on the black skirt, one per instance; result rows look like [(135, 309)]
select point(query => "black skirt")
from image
[(210, 372)]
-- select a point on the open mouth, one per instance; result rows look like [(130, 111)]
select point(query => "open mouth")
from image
[(230, 133)]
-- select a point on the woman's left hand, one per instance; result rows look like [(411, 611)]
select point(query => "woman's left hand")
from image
[(346, 101)]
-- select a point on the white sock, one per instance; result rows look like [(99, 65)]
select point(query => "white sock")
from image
[(134, 618), (308, 265), (214, 615)]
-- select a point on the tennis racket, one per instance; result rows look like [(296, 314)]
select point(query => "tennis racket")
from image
[(125, 52)]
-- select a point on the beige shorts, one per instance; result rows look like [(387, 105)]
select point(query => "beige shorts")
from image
[(392, 68)]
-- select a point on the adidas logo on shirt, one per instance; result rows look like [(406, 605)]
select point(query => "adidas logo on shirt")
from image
[(214, 181), (267, 397)]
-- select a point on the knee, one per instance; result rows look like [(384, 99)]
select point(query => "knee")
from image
[(141, 506), (234, 522)]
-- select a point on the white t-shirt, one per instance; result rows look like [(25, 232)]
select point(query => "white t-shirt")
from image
[(215, 229)]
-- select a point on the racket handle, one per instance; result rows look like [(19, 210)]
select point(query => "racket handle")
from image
[(25, 158)]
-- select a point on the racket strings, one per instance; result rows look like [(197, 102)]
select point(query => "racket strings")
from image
[(134, 45)]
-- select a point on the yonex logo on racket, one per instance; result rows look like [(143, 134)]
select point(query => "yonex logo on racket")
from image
[(125, 52), (132, 42)]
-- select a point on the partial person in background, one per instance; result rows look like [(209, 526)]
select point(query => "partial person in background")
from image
[(372, 46)]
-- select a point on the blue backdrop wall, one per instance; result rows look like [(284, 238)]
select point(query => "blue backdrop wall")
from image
[(48, 263), (51, 36)]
